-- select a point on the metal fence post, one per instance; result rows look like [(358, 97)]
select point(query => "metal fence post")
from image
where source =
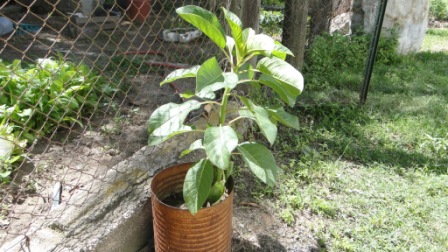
[(372, 51)]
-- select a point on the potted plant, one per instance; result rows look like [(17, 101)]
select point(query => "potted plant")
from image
[(207, 184)]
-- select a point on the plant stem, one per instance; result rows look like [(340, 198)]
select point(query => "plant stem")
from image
[(225, 98)]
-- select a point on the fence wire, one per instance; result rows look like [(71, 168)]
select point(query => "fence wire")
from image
[(78, 81)]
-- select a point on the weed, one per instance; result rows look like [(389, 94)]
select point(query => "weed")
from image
[(439, 9), (36, 99), (270, 22)]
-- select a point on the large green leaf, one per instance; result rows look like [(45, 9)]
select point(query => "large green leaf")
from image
[(230, 81), (219, 142), (236, 28), (279, 114), (260, 160), (259, 44), (262, 118), (245, 72), (288, 80), (205, 21), (247, 33), (180, 74), (209, 73), (230, 44), (6, 148), (285, 92), (196, 145), (280, 51), (168, 119), (197, 184)]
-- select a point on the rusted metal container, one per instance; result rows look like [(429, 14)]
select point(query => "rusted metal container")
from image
[(175, 229)]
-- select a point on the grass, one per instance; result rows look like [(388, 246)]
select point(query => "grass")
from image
[(435, 40), (374, 177)]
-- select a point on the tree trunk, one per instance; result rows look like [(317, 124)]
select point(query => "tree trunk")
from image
[(321, 14), (294, 30), (249, 13)]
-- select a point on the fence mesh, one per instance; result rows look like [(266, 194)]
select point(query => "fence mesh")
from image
[(79, 80)]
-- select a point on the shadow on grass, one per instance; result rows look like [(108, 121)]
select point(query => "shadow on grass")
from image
[(410, 96), (338, 131)]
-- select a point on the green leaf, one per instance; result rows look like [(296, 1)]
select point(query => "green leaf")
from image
[(6, 147), (230, 43), (259, 44), (205, 21), (280, 51), (236, 28), (196, 145), (260, 161), (219, 142), (168, 119), (5, 174), (216, 192), (197, 184), (285, 93), (230, 81), (209, 73), (187, 94), (282, 78), (261, 116), (245, 72), (180, 74), (279, 114), (247, 33), (26, 113)]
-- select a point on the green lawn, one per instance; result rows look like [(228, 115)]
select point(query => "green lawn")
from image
[(374, 177)]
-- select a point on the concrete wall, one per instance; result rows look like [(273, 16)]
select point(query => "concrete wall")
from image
[(408, 18)]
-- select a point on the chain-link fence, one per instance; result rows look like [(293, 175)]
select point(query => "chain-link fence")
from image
[(78, 81)]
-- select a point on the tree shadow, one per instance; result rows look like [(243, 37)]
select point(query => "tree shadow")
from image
[(349, 140)]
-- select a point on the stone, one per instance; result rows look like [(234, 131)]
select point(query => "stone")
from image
[(341, 24), (408, 19)]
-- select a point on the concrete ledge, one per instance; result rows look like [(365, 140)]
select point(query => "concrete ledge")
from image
[(112, 214)]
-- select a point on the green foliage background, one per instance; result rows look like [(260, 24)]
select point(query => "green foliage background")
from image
[(36, 99)]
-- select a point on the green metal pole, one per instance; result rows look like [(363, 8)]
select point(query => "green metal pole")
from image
[(373, 50)]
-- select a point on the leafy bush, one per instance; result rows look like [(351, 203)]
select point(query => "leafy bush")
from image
[(272, 2), (37, 99), (329, 54), (10, 150), (439, 9), (271, 22)]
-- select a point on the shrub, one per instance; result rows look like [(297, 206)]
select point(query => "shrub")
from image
[(272, 2), (37, 99), (329, 54), (271, 22), (439, 9)]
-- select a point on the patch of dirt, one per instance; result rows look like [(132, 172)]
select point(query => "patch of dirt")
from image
[(257, 227)]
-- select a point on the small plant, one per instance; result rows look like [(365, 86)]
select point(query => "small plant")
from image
[(11, 150), (271, 22), (38, 98), (439, 9), (273, 2), (206, 179)]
